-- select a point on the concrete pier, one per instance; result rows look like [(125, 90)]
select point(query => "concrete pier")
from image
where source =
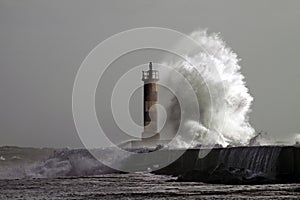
[(238, 165)]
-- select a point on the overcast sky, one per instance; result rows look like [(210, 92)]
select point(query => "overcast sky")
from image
[(43, 43)]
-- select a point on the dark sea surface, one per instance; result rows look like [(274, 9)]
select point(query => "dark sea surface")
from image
[(138, 186), (32, 173)]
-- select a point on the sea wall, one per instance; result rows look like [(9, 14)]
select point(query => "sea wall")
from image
[(238, 165)]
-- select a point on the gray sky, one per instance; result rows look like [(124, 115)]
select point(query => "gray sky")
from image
[(42, 44)]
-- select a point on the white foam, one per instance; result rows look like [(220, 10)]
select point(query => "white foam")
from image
[(226, 105)]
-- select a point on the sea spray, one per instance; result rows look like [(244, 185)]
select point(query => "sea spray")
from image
[(261, 159), (63, 163), (213, 71)]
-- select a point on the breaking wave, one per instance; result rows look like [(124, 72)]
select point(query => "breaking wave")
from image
[(62, 163), (224, 101)]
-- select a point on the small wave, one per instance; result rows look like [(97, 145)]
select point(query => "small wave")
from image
[(16, 158), (61, 163)]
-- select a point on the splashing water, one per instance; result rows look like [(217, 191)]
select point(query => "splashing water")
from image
[(257, 159), (297, 138), (62, 163), (223, 98)]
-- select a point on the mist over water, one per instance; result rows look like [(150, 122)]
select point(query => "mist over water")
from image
[(56, 163), (224, 100)]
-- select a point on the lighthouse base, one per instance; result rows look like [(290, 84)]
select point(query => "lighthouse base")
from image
[(146, 142)]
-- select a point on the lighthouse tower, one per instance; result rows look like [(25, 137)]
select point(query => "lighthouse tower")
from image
[(150, 136), (150, 79)]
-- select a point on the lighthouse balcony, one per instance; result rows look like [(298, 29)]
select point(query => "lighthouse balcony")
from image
[(150, 75)]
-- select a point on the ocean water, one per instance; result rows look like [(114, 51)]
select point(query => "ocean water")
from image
[(30, 173), (137, 186)]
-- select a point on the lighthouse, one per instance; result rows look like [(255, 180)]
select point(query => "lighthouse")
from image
[(150, 137), (150, 79)]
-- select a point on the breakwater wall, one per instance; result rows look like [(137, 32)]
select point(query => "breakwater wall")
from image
[(237, 165)]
